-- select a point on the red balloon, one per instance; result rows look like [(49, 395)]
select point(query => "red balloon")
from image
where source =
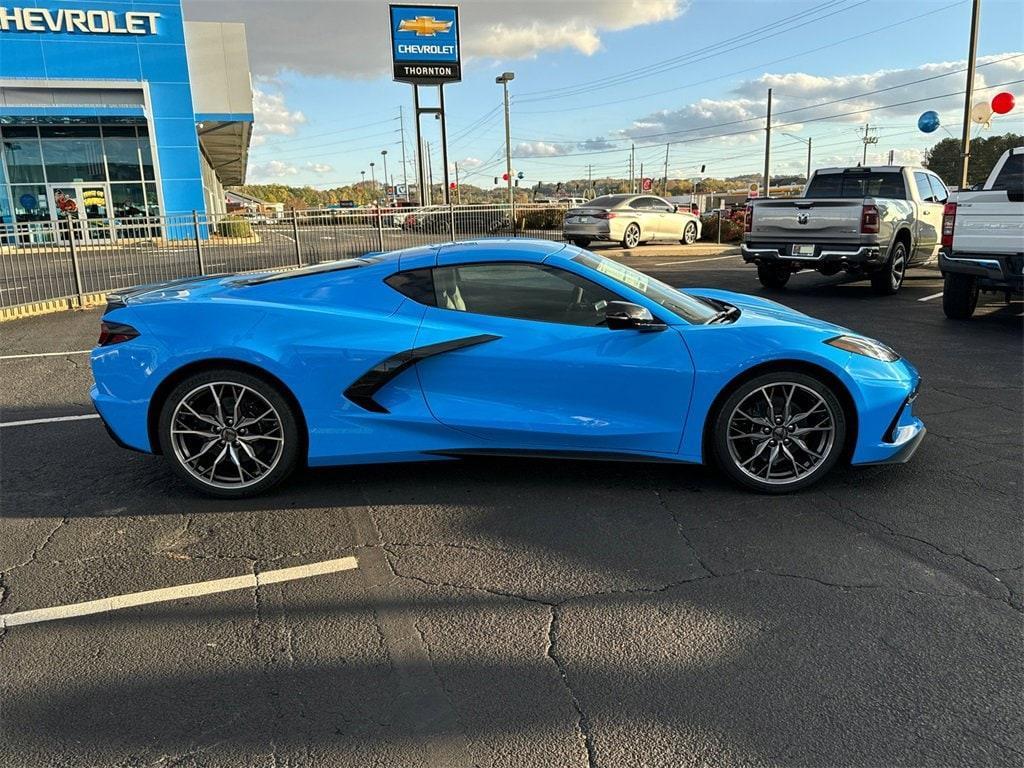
[(1003, 103)]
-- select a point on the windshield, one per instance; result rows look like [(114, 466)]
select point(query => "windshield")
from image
[(689, 308)]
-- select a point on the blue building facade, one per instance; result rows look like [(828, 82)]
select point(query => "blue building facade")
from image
[(118, 108)]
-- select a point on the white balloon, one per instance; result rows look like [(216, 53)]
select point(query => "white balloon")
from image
[(981, 113)]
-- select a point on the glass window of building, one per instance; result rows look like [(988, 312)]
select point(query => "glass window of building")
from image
[(72, 159), (30, 202), (22, 154), (128, 200)]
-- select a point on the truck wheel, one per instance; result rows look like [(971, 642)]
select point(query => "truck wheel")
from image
[(959, 296), (773, 276), (580, 242), (889, 278)]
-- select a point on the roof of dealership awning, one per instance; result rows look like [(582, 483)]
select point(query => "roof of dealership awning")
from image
[(226, 145)]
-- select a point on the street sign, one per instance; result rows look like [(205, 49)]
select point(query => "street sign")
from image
[(754, 190), (425, 47), (399, 190), (647, 185)]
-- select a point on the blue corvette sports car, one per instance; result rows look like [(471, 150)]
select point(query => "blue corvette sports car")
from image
[(498, 347)]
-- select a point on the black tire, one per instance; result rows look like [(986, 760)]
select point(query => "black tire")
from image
[(689, 234), (631, 235), (959, 296), (719, 438), (773, 276), (580, 242), (889, 279), (281, 463)]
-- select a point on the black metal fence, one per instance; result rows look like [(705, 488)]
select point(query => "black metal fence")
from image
[(73, 259)]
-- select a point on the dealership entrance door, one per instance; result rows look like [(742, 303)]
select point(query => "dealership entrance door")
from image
[(84, 203)]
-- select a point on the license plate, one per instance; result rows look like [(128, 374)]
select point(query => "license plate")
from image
[(803, 250), (582, 220)]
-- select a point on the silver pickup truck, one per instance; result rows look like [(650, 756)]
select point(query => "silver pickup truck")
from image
[(872, 222)]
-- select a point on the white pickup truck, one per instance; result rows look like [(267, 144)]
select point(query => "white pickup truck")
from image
[(983, 239)]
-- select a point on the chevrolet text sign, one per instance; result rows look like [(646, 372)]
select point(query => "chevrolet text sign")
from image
[(92, 22), (425, 44)]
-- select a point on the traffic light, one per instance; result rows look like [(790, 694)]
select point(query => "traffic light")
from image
[(495, 181)]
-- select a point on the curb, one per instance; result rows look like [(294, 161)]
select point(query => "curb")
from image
[(49, 306)]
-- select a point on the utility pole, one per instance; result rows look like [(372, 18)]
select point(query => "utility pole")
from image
[(373, 183), (458, 187), (972, 60), (867, 139), (767, 144), (640, 186), (405, 171), (503, 80), (664, 184), (891, 153), (590, 180), (384, 154), (430, 174), (632, 169)]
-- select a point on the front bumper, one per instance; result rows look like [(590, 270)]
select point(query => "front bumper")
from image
[(888, 430), (992, 271), (832, 254)]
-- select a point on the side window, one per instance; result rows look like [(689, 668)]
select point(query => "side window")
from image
[(416, 284), (924, 189), (939, 191), (643, 203), (1011, 175), (523, 291), (662, 205)]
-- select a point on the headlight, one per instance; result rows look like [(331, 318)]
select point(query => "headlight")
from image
[(867, 347)]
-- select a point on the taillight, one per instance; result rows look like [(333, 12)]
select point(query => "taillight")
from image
[(115, 333), (748, 218), (948, 223), (606, 215), (869, 220)]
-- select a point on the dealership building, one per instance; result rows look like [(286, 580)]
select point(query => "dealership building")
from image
[(117, 109)]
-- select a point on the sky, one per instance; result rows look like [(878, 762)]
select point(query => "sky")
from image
[(593, 77)]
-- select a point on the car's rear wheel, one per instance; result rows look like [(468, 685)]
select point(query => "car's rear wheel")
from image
[(631, 237), (690, 233), (229, 433), (773, 276), (779, 432), (959, 296), (580, 242), (888, 280)]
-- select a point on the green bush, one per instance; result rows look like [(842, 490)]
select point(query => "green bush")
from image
[(543, 219), (234, 226), (732, 231)]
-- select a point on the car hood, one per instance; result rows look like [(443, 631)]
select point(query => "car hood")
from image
[(760, 311)]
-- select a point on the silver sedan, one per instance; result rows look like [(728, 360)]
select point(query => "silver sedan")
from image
[(630, 220)]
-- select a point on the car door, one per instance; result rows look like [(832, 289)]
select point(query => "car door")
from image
[(929, 219), (648, 217), (539, 370), (672, 223)]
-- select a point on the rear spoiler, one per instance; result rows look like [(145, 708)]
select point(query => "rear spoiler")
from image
[(120, 298)]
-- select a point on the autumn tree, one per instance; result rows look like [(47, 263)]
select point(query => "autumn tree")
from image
[(944, 157)]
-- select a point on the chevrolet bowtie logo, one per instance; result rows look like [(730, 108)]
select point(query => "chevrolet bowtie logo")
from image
[(424, 26)]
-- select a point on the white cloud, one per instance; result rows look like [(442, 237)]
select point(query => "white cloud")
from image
[(540, 149), (272, 116), (469, 163), (271, 170), (349, 39), (320, 168)]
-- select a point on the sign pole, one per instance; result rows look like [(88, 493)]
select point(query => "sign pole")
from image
[(405, 168), (444, 145), (419, 147)]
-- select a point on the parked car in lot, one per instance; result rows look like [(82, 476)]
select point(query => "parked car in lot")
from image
[(873, 222), (520, 347), (484, 220), (630, 220), (983, 239)]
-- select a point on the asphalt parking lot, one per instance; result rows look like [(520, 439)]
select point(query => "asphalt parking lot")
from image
[(524, 612)]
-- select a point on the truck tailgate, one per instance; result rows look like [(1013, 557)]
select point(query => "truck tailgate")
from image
[(988, 222), (821, 219)]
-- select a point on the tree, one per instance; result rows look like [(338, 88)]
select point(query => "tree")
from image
[(944, 157)]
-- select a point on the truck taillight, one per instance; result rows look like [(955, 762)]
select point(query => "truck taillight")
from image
[(869, 220), (748, 218), (948, 223)]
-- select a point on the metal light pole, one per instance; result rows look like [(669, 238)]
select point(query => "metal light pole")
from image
[(384, 154), (373, 183), (503, 80), (767, 144), (806, 141), (972, 61)]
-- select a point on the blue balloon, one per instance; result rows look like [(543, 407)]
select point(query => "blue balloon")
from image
[(928, 121)]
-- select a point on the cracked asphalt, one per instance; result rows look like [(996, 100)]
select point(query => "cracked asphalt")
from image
[(529, 613)]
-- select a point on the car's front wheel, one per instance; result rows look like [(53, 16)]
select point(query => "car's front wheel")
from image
[(229, 433), (690, 233), (779, 432)]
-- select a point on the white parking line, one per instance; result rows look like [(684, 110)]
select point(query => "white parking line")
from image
[(697, 261), (198, 589), (933, 296), (29, 422), (45, 354)]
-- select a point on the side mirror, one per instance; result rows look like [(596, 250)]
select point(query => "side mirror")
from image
[(624, 315), (675, 209)]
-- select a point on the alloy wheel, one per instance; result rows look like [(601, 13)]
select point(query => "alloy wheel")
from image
[(781, 432), (899, 267), (227, 435), (632, 236), (690, 233)]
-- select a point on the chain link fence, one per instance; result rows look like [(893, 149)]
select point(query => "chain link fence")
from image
[(71, 259)]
